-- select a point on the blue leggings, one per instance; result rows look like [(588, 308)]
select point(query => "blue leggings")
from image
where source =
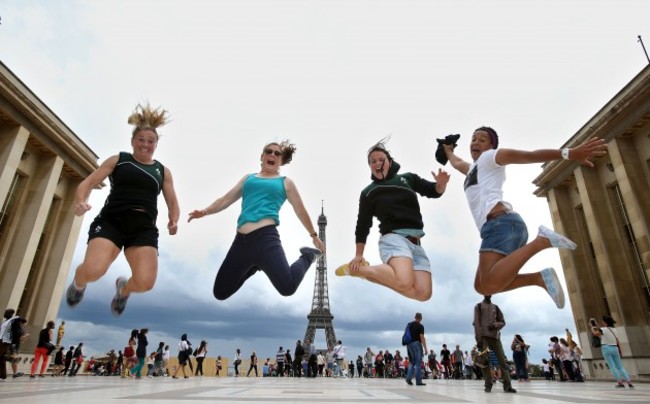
[(259, 250), (611, 355)]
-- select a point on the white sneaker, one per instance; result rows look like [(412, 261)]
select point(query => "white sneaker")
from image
[(557, 240), (553, 286)]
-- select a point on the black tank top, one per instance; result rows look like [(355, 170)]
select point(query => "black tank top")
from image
[(134, 186)]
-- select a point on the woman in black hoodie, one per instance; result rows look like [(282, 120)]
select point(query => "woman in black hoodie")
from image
[(393, 199)]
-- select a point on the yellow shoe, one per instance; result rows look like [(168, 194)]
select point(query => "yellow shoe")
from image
[(344, 269)]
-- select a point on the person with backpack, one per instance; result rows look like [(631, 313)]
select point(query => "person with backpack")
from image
[(340, 352), (416, 346), (11, 334), (77, 360), (297, 360), (488, 322)]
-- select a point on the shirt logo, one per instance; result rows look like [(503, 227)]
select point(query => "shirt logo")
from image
[(472, 178)]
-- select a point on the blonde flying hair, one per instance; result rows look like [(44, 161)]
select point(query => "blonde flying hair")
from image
[(146, 117)]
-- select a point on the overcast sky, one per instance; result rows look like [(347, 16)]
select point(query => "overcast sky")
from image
[(333, 77)]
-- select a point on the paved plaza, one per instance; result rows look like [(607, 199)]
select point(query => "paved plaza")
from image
[(98, 389)]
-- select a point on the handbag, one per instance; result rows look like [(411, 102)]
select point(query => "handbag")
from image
[(595, 341)]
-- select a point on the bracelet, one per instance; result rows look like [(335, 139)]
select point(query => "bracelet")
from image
[(314, 234), (565, 153)]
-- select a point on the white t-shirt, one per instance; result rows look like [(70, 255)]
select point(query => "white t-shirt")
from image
[(609, 336), (483, 186), (339, 352)]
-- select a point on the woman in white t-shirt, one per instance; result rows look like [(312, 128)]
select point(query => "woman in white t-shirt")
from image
[(610, 350), (201, 352), (504, 249)]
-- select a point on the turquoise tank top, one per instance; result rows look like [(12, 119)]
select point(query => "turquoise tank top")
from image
[(262, 198)]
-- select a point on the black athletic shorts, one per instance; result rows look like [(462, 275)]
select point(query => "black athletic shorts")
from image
[(127, 229)]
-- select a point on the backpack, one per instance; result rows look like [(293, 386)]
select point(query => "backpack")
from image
[(196, 351), (595, 341), (407, 338)]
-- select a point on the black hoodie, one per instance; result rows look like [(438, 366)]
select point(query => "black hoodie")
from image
[(394, 202)]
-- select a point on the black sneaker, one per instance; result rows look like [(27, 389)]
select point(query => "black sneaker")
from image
[(18, 374), (488, 389), (119, 302), (314, 253), (410, 383), (73, 296), (509, 390)]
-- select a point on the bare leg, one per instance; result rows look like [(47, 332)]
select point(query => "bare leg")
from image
[(498, 273), (100, 254), (399, 276), (143, 261)]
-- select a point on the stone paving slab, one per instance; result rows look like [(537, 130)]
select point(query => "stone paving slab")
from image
[(99, 390)]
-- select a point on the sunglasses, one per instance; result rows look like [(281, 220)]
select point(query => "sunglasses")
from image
[(271, 151)]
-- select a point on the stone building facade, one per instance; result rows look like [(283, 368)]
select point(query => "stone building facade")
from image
[(41, 163), (606, 211)]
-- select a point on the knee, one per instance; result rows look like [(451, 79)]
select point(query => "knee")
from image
[(402, 286), (485, 289), (143, 285), (423, 296)]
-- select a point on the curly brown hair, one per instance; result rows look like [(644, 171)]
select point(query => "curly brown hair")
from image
[(286, 147)]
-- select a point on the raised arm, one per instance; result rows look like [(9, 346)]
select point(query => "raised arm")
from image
[(455, 161), (583, 153), (221, 203), (82, 193), (173, 210), (293, 196)]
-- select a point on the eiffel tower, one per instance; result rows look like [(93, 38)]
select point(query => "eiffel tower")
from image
[(320, 316)]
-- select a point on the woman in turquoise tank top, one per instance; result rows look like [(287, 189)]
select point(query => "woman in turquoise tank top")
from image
[(257, 245), (128, 218)]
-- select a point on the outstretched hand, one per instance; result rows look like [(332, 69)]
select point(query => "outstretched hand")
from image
[(594, 147), (196, 214), (442, 178)]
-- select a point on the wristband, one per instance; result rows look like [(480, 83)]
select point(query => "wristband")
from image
[(314, 234), (565, 153)]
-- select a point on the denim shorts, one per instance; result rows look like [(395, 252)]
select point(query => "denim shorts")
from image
[(393, 245), (504, 234)]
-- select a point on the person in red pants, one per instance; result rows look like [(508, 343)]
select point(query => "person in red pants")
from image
[(43, 349)]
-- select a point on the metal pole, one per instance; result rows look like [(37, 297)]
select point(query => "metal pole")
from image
[(644, 50)]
